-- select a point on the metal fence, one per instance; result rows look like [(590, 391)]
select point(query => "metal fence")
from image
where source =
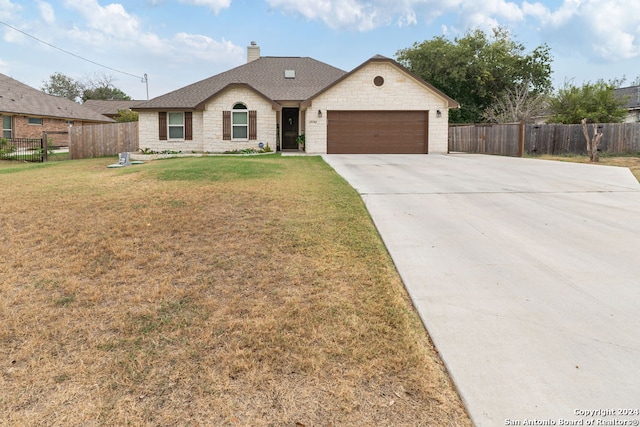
[(23, 149), (553, 139)]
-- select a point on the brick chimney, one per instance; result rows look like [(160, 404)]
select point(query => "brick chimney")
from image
[(253, 52)]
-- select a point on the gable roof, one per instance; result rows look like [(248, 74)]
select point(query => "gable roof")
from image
[(111, 106), (265, 75), (632, 96), (451, 103), (18, 98)]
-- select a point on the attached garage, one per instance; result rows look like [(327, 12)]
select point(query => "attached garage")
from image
[(377, 132)]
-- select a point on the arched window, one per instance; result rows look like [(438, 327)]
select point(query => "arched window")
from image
[(239, 121)]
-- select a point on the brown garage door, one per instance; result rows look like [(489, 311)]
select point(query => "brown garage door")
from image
[(377, 132)]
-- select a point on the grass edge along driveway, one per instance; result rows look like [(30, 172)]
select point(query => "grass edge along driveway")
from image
[(205, 291)]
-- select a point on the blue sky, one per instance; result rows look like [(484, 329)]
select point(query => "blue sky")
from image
[(178, 42)]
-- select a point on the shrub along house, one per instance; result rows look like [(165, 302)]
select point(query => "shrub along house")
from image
[(379, 107), (26, 112)]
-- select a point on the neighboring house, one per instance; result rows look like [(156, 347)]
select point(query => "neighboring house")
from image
[(110, 108), (631, 95), (26, 112), (379, 107)]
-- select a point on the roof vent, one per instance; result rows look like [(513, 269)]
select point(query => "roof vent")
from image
[(289, 74)]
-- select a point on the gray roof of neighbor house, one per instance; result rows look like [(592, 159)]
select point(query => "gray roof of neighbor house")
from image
[(19, 98), (266, 75), (632, 96), (111, 106)]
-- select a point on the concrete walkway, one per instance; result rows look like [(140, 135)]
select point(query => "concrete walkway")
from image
[(526, 274)]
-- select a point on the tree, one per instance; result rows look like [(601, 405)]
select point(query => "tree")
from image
[(592, 143), (101, 87), (476, 70), (64, 86), (96, 87), (516, 105), (106, 93), (126, 116), (595, 102)]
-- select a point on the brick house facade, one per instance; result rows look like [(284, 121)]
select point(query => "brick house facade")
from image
[(26, 112), (33, 127)]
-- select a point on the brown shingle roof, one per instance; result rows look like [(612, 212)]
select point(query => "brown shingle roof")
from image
[(110, 107), (265, 75), (18, 98)]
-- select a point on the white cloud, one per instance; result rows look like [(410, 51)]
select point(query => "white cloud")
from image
[(608, 29), (46, 12), (8, 9), (201, 48), (339, 14), (612, 35), (366, 15), (558, 17), (408, 18), (110, 20), (616, 33), (111, 34), (111, 25), (215, 5)]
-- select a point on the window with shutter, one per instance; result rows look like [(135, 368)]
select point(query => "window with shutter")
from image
[(176, 125), (239, 122)]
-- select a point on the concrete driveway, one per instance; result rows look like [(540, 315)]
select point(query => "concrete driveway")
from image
[(526, 274)]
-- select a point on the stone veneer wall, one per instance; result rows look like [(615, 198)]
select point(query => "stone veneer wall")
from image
[(207, 125), (358, 92)]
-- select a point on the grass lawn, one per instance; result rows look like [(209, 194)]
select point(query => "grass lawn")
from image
[(205, 291), (631, 162)]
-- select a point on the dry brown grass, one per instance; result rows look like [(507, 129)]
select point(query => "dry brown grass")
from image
[(631, 162), (208, 291)]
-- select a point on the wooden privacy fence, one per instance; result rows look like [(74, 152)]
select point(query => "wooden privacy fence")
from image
[(511, 140), (103, 140), (486, 139)]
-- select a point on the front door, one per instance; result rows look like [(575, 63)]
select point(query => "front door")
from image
[(290, 128)]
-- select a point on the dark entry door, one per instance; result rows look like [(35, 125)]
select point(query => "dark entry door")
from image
[(290, 128)]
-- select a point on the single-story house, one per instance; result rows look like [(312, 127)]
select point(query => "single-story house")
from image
[(26, 112), (379, 107), (111, 107), (631, 95)]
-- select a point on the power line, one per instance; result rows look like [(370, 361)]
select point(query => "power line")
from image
[(143, 78)]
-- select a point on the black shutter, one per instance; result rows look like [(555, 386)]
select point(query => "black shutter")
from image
[(162, 125), (253, 125), (226, 125), (188, 125)]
